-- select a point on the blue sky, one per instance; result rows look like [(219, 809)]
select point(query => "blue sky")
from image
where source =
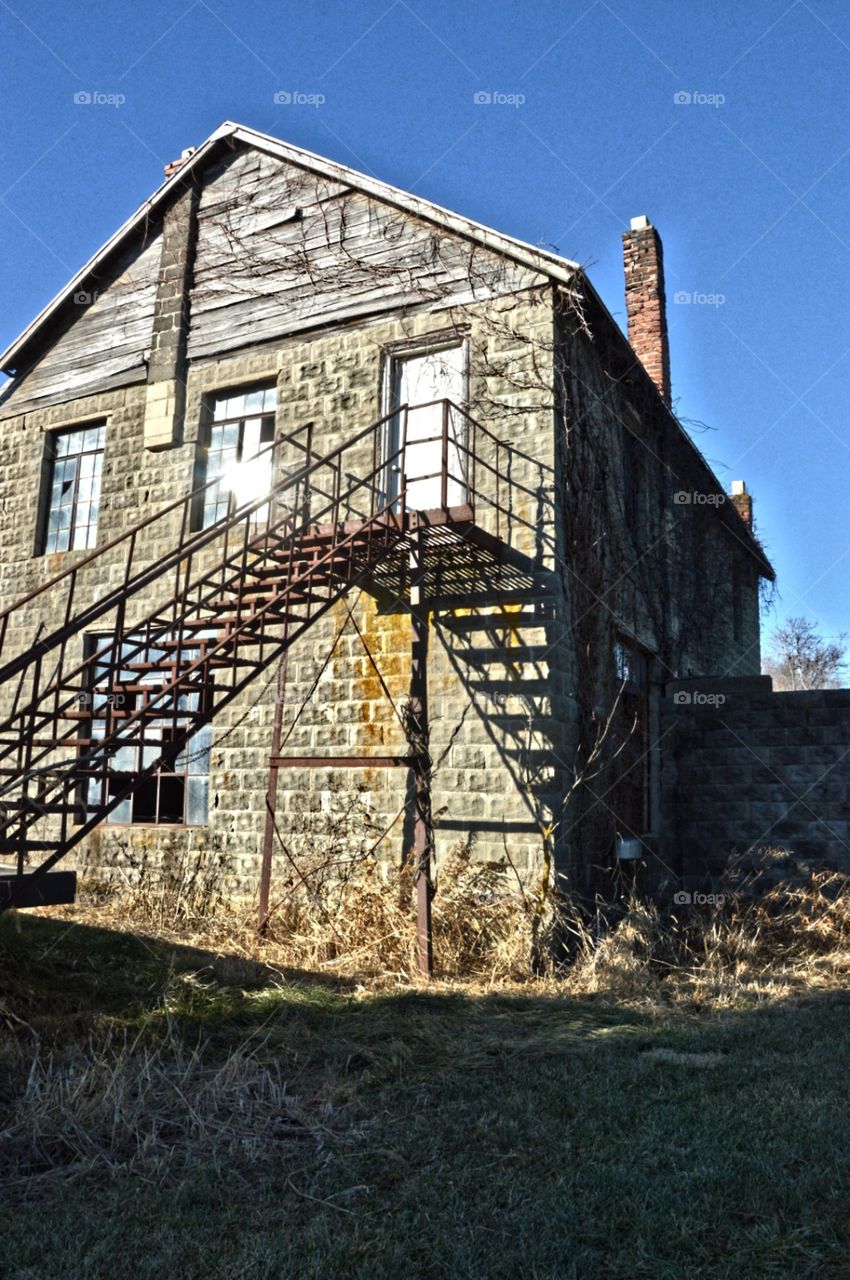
[(748, 182)]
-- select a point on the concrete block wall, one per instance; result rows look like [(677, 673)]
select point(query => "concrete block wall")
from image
[(746, 769), (335, 381)]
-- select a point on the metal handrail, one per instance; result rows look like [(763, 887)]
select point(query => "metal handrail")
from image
[(185, 555), (186, 546), (198, 587)]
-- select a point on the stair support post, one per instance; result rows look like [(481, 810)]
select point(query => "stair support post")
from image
[(271, 798), (418, 733)]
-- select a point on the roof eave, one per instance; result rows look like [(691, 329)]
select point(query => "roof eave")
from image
[(749, 540)]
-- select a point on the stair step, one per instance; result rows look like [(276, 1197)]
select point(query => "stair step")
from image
[(29, 846), (217, 663), (141, 714), (150, 666), (151, 689), (261, 595), (329, 569), (230, 620), (56, 809)]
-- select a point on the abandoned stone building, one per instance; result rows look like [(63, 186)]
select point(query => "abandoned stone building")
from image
[(326, 509)]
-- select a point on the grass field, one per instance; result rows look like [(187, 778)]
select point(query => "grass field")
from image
[(171, 1113)]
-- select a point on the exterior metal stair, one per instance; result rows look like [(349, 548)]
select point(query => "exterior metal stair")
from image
[(174, 639)]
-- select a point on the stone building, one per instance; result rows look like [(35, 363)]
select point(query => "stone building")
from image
[(306, 349)]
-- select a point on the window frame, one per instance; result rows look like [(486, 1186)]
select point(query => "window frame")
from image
[(92, 642), (395, 353), (208, 424), (49, 467)]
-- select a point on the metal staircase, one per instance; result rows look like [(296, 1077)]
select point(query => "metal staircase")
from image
[(172, 639)]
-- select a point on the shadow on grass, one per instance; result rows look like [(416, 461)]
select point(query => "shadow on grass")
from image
[(57, 976), (444, 1133)]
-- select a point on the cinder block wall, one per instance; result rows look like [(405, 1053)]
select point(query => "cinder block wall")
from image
[(490, 669), (746, 769)]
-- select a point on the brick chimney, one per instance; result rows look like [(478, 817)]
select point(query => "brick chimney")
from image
[(643, 258), (174, 165), (742, 501)]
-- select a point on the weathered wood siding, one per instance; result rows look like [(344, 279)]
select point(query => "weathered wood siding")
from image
[(281, 249), (101, 344)]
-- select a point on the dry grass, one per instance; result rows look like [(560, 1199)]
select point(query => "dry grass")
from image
[(157, 1059), (756, 943), (114, 1105), (358, 923)]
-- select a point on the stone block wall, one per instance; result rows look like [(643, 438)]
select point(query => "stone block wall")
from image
[(480, 706), (502, 676), (746, 769)]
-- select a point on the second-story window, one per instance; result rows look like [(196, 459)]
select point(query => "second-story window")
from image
[(76, 463), (239, 426)]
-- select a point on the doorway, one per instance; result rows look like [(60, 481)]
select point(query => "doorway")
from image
[(418, 379)]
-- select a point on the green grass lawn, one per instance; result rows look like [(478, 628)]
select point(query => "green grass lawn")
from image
[(442, 1133)]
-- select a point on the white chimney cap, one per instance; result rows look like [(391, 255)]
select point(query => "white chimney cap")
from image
[(641, 223), (738, 487)]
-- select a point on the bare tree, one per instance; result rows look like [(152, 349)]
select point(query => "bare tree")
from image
[(801, 659)]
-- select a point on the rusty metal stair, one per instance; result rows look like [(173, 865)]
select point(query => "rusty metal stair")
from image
[(223, 604)]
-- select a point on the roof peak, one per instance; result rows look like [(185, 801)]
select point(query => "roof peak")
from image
[(542, 260)]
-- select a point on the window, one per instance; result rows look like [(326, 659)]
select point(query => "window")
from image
[(173, 795), (422, 378), (239, 427), (76, 463)]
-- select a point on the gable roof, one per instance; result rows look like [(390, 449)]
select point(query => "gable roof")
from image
[(560, 270), (549, 264)]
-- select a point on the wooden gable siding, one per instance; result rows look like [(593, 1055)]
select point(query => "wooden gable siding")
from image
[(281, 249), (101, 344)]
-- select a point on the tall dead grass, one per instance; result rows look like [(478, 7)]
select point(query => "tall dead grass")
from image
[(105, 1103), (113, 1104), (754, 941), (355, 923), (786, 941)]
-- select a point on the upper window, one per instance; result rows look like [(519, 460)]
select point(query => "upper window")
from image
[(76, 463), (239, 427)]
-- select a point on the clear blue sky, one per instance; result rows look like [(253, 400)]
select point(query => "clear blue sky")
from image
[(749, 182)]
